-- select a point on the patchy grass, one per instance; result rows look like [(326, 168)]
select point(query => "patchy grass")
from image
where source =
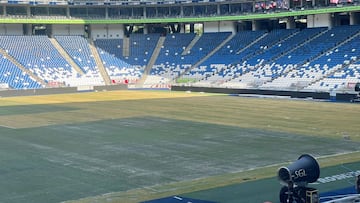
[(315, 121)]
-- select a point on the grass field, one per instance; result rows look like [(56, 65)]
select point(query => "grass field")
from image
[(131, 146)]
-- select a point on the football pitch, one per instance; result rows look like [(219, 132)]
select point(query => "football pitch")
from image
[(133, 146)]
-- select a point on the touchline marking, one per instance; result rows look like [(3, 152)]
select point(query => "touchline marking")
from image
[(5, 126), (338, 154)]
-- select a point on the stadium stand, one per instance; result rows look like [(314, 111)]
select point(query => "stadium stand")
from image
[(247, 55), (348, 73), (78, 49), (170, 60), (13, 77), (180, 52), (312, 61), (279, 59), (311, 52), (222, 62), (141, 48), (110, 51), (37, 54)]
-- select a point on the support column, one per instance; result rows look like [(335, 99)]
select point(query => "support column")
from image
[(334, 19), (255, 25), (290, 23), (354, 18), (146, 29), (49, 30), (87, 31), (181, 27), (28, 11), (181, 11), (68, 12), (27, 29), (192, 28)]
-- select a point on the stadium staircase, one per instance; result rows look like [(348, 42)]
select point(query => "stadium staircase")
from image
[(66, 56), (238, 43), (299, 45), (151, 62), (238, 52), (104, 74), (208, 55), (190, 46), (20, 66), (126, 46), (252, 43), (270, 46)]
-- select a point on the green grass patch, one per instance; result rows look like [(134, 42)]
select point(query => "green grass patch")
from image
[(186, 80)]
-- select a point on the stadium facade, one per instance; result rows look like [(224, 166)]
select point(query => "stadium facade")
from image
[(112, 18)]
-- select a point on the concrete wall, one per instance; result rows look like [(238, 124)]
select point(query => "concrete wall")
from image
[(61, 90), (11, 29), (60, 30), (76, 29), (99, 31), (320, 20), (290, 94), (105, 31), (68, 30), (30, 92), (342, 97), (223, 26)]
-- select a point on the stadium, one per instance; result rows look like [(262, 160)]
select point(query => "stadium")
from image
[(202, 101)]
